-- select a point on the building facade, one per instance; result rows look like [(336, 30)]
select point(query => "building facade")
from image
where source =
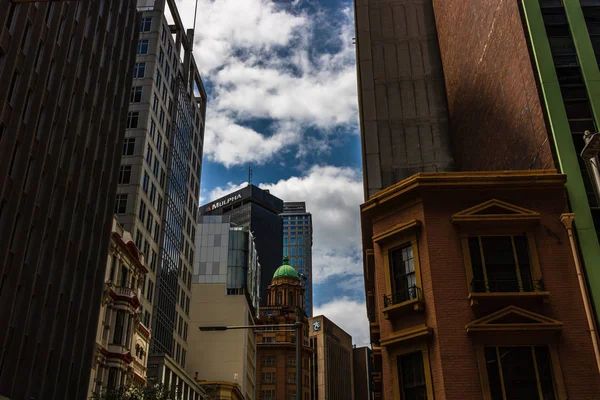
[(276, 368), (258, 210), (332, 365), (159, 176), (532, 87), (165, 370), (473, 289), (122, 340), (362, 369), (225, 292), (65, 75), (402, 101), (297, 245)]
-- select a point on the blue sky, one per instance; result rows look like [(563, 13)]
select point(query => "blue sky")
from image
[(281, 81)]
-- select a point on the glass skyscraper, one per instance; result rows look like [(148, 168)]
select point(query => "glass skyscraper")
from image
[(297, 244)]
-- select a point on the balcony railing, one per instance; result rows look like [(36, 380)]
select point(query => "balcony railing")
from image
[(125, 291), (407, 294), (507, 285)]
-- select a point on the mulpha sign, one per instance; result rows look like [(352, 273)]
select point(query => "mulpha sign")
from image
[(218, 204)]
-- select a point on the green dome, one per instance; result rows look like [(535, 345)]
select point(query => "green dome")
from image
[(286, 271)]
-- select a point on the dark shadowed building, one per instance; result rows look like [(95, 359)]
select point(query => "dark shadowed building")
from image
[(65, 76)]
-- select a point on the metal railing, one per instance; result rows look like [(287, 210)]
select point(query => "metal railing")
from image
[(125, 291), (409, 293), (507, 285)]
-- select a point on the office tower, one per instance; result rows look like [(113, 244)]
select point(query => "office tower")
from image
[(122, 340), (332, 367), (361, 368), (402, 100), (476, 291), (276, 367), (297, 245), (65, 74), (225, 292), (258, 210), (159, 177), (531, 84)]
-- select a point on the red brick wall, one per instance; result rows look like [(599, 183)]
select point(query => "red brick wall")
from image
[(496, 118), (447, 310)]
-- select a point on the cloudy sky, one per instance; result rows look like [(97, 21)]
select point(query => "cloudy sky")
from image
[(281, 81)]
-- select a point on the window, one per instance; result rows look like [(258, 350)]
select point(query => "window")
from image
[(152, 127), (291, 378), (162, 177), (501, 264), (149, 154), (161, 118), (292, 251), (293, 241), (268, 377), (128, 146), (142, 47), (159, 204), (155, 103), (26, 35), (145, 24), (402, 272), (121, 203), (139, 70), (521, 372), (269, 361), (300, 241), (152, 193), (13, 85), (136, 94), (142, 213), (411, 376), (145, 182), (156, 231), (132, 119), (119, 325), (285, 241), (124, 174), (161, 57), (156, 167), (267, 394), (150, 290)]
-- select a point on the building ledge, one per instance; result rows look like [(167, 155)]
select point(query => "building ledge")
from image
[(407, 334), (476, 298), (402, 308)]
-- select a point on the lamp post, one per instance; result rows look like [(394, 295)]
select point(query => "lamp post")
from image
[(258, 328), (590, 155)]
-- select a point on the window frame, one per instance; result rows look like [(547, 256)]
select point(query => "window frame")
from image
[(406, 349), (399, 236), (534, 264)]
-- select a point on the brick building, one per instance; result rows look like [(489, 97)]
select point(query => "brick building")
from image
[(276, 348), (476, 296)]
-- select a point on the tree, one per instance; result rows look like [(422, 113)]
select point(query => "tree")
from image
[(151, 391)]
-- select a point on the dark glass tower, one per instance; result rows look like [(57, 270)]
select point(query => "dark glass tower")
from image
[(259, 210), (65, 77)]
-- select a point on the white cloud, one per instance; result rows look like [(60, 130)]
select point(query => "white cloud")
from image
[(350, 315), (237, 48), (332, 195)]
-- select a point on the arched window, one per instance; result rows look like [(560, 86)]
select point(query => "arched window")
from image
[(279, 298), (291, 299)]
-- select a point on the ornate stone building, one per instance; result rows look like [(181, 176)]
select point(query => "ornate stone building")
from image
[(276, 369), (122, 340)]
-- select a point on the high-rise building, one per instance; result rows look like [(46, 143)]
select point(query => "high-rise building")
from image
[(159, 177), (523, 94), (332, 367), (362, 368), (402, 100), (122, 340), (65, 75), (277, 369), (258, 210), (225, 292), (476, 289), (297, 245)]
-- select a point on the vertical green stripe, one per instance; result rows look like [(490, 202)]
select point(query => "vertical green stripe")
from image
[(563, 142)]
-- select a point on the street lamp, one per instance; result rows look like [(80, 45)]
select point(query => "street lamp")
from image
[(260, 328)]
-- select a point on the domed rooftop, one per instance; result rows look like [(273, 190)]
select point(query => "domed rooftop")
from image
[(286, 271)]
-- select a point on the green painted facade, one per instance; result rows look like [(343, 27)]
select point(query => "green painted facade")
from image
[(561, 132)]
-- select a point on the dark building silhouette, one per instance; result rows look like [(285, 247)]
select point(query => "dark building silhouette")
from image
[(259, 210), (65, 77)]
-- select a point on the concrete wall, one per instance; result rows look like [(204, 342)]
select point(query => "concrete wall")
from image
[(218, 356), (403, 110)]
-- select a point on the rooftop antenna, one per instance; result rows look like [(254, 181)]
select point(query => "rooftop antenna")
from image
[(195, 13), (249, 175)]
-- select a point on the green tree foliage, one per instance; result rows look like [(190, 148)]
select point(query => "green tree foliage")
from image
[(151, 391)]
